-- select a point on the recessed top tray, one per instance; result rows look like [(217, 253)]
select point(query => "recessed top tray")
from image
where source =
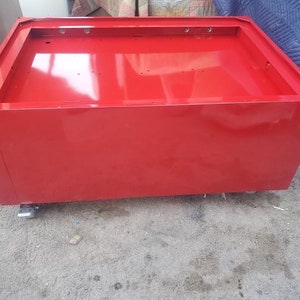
[(142, 61)]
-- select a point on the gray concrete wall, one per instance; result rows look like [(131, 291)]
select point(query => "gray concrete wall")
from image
[(9, 11)]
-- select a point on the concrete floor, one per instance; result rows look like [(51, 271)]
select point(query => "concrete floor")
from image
[(244, 247)]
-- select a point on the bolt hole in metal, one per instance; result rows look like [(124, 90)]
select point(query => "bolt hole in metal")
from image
[(86, 30), (62, 30), (186, 30), (47, 42), (209, 29)]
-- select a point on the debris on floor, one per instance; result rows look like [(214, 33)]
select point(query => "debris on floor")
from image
[(75, 239)]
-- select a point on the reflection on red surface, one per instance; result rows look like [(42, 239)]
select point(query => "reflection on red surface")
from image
[(137, 71), (74, 69)]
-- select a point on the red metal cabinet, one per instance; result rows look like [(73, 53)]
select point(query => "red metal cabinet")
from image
[(132, 107)]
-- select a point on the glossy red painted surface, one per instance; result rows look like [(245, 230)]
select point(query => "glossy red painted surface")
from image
[(113, 108)]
